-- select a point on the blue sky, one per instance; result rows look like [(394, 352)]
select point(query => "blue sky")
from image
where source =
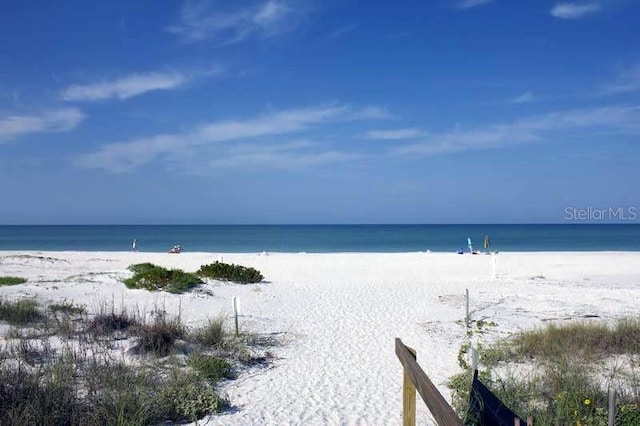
[(276, 111)]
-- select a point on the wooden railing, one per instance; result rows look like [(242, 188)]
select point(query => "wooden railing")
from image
[(415, 378)]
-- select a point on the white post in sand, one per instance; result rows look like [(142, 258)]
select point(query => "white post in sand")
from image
[(493, 264), (235, 312), (467, 320)]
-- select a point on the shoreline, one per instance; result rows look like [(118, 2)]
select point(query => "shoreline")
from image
[(481, 254)]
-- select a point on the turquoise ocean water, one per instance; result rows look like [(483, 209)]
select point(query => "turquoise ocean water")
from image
[(323, 238)]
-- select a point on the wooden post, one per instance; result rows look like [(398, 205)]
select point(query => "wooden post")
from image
[(441, 411), (612, 407), (517, 422), (408, 397)]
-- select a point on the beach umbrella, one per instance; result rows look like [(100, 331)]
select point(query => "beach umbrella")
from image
[(487, 242), (469, 244)]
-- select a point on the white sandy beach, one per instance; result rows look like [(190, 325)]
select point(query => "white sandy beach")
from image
[(337, 315)]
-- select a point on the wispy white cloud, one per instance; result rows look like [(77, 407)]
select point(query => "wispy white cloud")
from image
[(627, 81), (127, 156), (341, 31), (287, 156), (523, 98), (125, 87), (52, 121), (396, 134), (468, 4), (200, 20), (399, 34), (574, 10), (613, 118)]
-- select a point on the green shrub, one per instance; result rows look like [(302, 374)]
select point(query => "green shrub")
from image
[(12, 280), (230, 272), (187, 397), (151, 277), (20, 312), (211, 368)]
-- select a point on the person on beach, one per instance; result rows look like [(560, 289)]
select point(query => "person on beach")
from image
[(134, 245)]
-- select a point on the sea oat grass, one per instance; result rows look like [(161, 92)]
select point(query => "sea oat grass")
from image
[(213, 333), (20, 312), (159, 336), (587, 339), (555, 374)]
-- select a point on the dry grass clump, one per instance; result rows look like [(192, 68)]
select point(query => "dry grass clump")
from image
[(20, 312), (107, 323), (159, 336)]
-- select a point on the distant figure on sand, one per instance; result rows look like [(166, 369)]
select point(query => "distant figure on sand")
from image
[(176, 249), (134, 245)]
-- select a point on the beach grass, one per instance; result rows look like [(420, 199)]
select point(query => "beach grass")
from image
[(159, 336), (108, 321), (66, 307), (558, 374), (20, 312), (56, 377), (213, 333), (8, 280)]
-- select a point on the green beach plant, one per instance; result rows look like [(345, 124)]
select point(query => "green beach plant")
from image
[(8, 280), (230, 272), (212, 368), (151, 277)]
